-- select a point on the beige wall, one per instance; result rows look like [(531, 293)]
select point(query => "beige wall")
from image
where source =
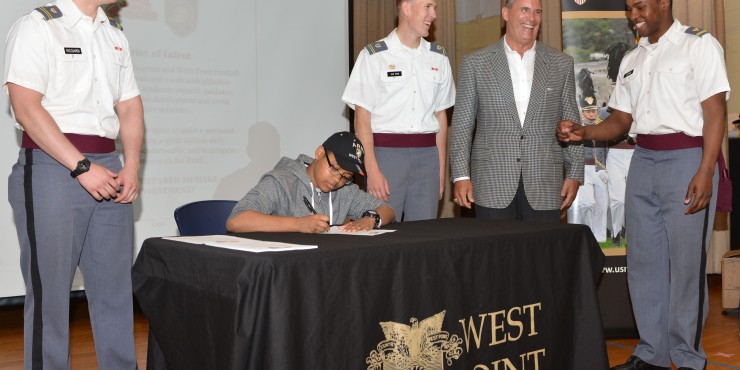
[(477, 34), (732, 28)]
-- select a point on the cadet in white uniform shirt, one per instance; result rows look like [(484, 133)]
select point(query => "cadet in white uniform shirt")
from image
[(71, 84), (400, 88), (671, 92)]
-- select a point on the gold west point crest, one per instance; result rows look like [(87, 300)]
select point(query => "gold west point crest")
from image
[(421, 345)]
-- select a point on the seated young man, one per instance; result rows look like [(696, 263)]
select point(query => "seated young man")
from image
[(310, 195)]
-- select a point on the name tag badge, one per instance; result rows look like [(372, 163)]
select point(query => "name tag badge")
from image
[(628, 74), (394, 74), (72, 51)]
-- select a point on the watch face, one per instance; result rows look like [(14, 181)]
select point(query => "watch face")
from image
[(82, 167)]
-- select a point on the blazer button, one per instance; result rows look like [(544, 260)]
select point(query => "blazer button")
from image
[(518, 159), (522, 137)]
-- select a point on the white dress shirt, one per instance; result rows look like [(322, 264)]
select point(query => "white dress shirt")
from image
[(521, 69), (401, 87), (663, 84), (80, 65)]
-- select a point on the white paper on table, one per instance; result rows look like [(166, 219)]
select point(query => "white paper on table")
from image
[(242, 244), (373, 232)]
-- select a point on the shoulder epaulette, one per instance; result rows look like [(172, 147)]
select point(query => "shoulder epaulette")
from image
[(49, 12), (437, 48), (115, 23), (696, 31), (376, 47), (631, 49)]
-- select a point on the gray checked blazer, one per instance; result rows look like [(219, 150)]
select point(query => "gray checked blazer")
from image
[(489, 145)]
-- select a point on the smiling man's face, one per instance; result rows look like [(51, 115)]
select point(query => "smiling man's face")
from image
[(650, 17), (523, 21)]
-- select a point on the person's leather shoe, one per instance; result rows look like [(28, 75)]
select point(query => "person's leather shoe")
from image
[(635, 363)]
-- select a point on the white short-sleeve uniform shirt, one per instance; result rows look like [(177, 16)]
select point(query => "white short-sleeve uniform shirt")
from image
[(663, 84), (401, 87), (82, 66)]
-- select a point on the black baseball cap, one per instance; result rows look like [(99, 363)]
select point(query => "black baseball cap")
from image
[(348, 151)]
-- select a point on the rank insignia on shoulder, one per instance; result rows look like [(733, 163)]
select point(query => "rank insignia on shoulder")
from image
[(49, 12), (437, 48), (115, 23), (696, 31), (376, 47)]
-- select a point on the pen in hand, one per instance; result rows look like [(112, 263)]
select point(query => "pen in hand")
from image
[(308, 205), (311, 209)]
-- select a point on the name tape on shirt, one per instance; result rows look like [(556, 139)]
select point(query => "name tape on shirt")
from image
[(72, 51), (394, 73)]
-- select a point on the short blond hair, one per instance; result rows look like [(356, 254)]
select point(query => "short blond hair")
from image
[(399, 2)]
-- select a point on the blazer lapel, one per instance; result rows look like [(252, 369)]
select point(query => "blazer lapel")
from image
[(539, 85), (502, 78)]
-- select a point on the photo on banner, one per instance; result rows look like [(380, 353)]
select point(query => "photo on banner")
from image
[(597, 34)]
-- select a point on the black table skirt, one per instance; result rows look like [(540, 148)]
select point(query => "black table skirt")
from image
[(455, 293)]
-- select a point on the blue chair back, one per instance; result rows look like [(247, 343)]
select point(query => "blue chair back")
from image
[(205, 217)]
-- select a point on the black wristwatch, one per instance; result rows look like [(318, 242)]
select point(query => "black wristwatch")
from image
[(82, 167), (374, 215)]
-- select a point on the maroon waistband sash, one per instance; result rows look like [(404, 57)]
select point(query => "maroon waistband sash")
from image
[(675, 141), (405, 140), (83, 143), (589, 162)]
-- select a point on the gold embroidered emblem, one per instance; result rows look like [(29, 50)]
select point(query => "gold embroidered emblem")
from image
[(422, 345), (589, 100)]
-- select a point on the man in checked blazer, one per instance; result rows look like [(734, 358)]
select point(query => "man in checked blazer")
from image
[(511, 95)]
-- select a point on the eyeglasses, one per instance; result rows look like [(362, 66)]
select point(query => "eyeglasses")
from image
[(334, 171)]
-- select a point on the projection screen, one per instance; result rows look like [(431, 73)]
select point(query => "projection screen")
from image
[(228, 88)]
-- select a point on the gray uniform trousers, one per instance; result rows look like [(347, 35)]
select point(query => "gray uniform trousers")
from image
[(666, 256), (60, 226), (413, 178)]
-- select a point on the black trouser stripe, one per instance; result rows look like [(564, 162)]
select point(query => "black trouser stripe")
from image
[(37, 358), (702, 281)]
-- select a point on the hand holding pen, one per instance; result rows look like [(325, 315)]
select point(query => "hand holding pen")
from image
[(312, 210), (314, 223)]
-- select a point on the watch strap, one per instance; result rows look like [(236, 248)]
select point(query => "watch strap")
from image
[(375, 215), (82, 166)]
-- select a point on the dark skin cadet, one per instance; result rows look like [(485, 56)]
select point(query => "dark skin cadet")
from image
[(652, 18)]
